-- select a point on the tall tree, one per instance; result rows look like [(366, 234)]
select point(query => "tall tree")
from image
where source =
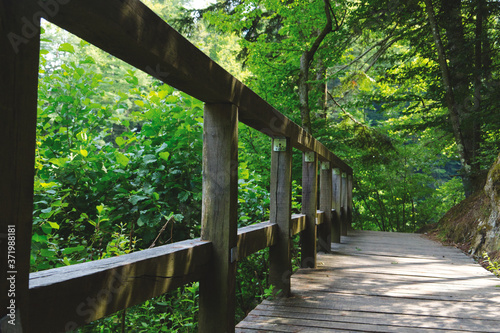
[(464, 69)]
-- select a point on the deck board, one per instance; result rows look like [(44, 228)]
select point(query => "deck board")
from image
[(385, 282)]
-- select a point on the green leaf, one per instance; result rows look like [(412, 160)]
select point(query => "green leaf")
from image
[(141, 221), (121, 159), (136, 198), (70, 250), (48, 252), (139, 103), (66, 47), (39, 238), (164, 155), (54, 225), (183, 196), (120, 141), (46, 228), (99, 208), (149, 159)]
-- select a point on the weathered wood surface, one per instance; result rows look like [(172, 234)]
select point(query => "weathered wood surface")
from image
[(308, 237), (64, 298), (325, 204), (280, 210), (19, 54), (219, 217), (256, 237), (385, 282)]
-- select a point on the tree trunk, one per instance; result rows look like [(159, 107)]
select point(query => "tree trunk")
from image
[(457, 79), (305, 64), (305, 113)]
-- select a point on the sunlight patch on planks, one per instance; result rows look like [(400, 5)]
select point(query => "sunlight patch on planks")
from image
[(385, 282)]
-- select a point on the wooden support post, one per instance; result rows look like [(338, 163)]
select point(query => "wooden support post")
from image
[(280, 257), (219, 217), (19, 54), (337, 204), (349, 201), (344, 205), (309, 208), (325, 204)]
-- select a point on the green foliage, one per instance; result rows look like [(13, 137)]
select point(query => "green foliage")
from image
[(493, 266), (175, 311), (119, 154)]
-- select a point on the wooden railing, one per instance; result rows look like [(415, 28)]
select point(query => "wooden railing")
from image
[(64, 298)]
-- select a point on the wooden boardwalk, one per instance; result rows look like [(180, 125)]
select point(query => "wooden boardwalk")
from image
[(385, 282)]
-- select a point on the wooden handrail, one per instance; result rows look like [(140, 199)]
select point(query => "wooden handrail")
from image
[(75, 292), (130, 31)]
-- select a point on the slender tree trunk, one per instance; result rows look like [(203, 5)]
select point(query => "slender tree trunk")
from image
[(305, 113), (305, 64), (322, 98), (456, 78)]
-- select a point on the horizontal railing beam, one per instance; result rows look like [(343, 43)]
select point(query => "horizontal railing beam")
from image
[(81, 293), (64, 298), (298, 223), (256, 237), (129, 30)]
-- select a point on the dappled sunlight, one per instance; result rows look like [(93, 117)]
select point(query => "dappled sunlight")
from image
[(398, 282)]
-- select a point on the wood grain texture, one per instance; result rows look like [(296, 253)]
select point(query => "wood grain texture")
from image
[(19, 54), (132, 32), (325, 204), (308, 236), (79, 294), (256, 237), (336, 204), (298, 223), (343, 208), (219, 217), (385, 282), (280, 258), (349, 204)]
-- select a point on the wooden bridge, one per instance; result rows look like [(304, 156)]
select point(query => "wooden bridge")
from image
[(65, 298), (385, 282)]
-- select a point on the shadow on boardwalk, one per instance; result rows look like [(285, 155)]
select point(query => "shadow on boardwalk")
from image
[(385, 282)]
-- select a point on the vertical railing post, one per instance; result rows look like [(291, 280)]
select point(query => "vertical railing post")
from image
[(219, 217), (349, 201), (343, 210), (337, 204), (309, 208), (325, 204), (19, 56), (280, 258)]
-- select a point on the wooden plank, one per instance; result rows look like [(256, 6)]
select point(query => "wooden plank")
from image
[(64, 298), (336, 204), (19, 54), (280, 258), (380, 320), (256, 237), (298, 223), (219, 217), (380, 293), (324, 323), (309, 209), (325, 204), (130, 31), (382, 304)]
